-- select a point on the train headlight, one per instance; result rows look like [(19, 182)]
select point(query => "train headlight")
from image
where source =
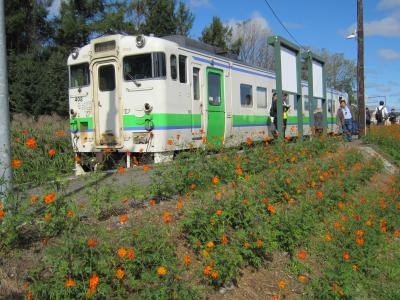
[(75, 53), (140, 41)]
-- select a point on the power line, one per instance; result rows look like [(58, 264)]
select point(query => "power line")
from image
[(282, 24)]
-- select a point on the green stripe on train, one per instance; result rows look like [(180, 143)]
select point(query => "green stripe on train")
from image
[(81, 123)]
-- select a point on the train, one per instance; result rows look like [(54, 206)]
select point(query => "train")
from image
[(158, 95)]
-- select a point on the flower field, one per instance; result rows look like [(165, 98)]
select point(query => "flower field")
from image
[(206, 221)]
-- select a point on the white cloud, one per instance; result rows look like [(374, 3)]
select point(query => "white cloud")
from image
[(388, 4), (389, 54), (387, 27), (257, 22), (200, 3), (54, 9)]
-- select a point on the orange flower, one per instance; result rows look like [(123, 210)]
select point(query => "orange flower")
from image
[(218, 212), (359, 241), (193, 186), (94, 281), (239, 172), (210, 244), (131, 254), (31, 143), (170, 142), (121, 252), (49, 198), (28, 296), (320, 195), (246, 245), (146, 168), (204, 140), (293, 159), (302, 255), (346, 256), (70, 213), (186, 260), (215, 179), (121, 170), (340, 204), (204, 253), (249, 141), (282, 284), (91, 242), (70, 283), (161, 271), (224, 239), (167, 217), (271, 209), (77, 159), (119, 273), (179, 204), (359, 232), (258, 243), (301, 278), (354, 268), (33, 199), (51, 152), (16, 163), (328, 237), (207, 270), (152, 202), (124, 200), (214, 274), (123, 218), (2, 214)]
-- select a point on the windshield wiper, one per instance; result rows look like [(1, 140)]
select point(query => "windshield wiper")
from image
[(138, 84)]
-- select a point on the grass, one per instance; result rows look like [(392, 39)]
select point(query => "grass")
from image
[(205, 219)]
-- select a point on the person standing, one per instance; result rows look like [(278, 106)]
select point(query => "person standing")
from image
[(367, 117), (274, 112), (286, 108), (344, 119), (381, 113), (393, 117)]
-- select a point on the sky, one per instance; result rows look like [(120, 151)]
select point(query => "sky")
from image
[(322, 24)]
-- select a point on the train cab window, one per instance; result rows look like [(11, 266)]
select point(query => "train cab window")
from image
[(261, 97), (107, 78), (196, 83), (246, 95), (182, 69), (79, 75), (214, 89), (174, 68), (145, 66), (159, 65)]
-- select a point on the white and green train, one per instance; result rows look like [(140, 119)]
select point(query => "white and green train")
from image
[(138, 93)]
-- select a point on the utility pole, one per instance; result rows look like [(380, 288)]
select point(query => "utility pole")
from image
[(5, 161), (360, 67)]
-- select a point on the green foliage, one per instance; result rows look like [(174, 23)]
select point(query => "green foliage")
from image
[(217, 34), (387, 138)]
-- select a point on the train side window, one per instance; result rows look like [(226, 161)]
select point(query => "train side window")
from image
[(246, 95), (107, 78), (261, 97), (79, 75), (196, 83), (214, 89), (330, 106), (182, 69), (174, 68)]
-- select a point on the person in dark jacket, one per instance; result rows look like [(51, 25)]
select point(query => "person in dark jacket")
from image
[(367, 117)]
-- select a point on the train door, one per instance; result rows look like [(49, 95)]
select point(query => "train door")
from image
[(197, 100), (107, 112), (215, 106)]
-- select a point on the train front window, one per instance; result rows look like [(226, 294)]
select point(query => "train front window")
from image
[(145, 66), (79, 75)]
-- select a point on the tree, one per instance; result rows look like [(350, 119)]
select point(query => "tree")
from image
[(217, 34), (184, 20)]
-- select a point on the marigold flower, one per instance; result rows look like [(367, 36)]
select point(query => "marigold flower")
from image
[(77, 159), (271, 209), (146, 168), (131, 254), (167, 217), (282, 284), (193, 186), (161, 271), (258, 243), (179, 204), (121, 170), (210, 244), (28, 296), (207, 270), (121, 252), (293, 159), (170, 142), (49, 198), (94, 281), (328, 237), (125, 200), (204, 140), (186, 260), (219, 212), (123, 218), (359, 232), (302, 255), (215, 179), (204, 253), (152, 202), (51, 152), (70, 213), (31, 143), (33, 199), (346, 256), (70, 283), (249, 141), (301, 278), (354, 268), (2, 214), (359, 241), (214, 274), (119, 273), (16, 163), (239, 172), (246, 245), (320, 195), (91, 242), (224, 239)]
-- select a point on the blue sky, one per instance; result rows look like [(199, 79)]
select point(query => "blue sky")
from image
[(322, 24), (325, 24)]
